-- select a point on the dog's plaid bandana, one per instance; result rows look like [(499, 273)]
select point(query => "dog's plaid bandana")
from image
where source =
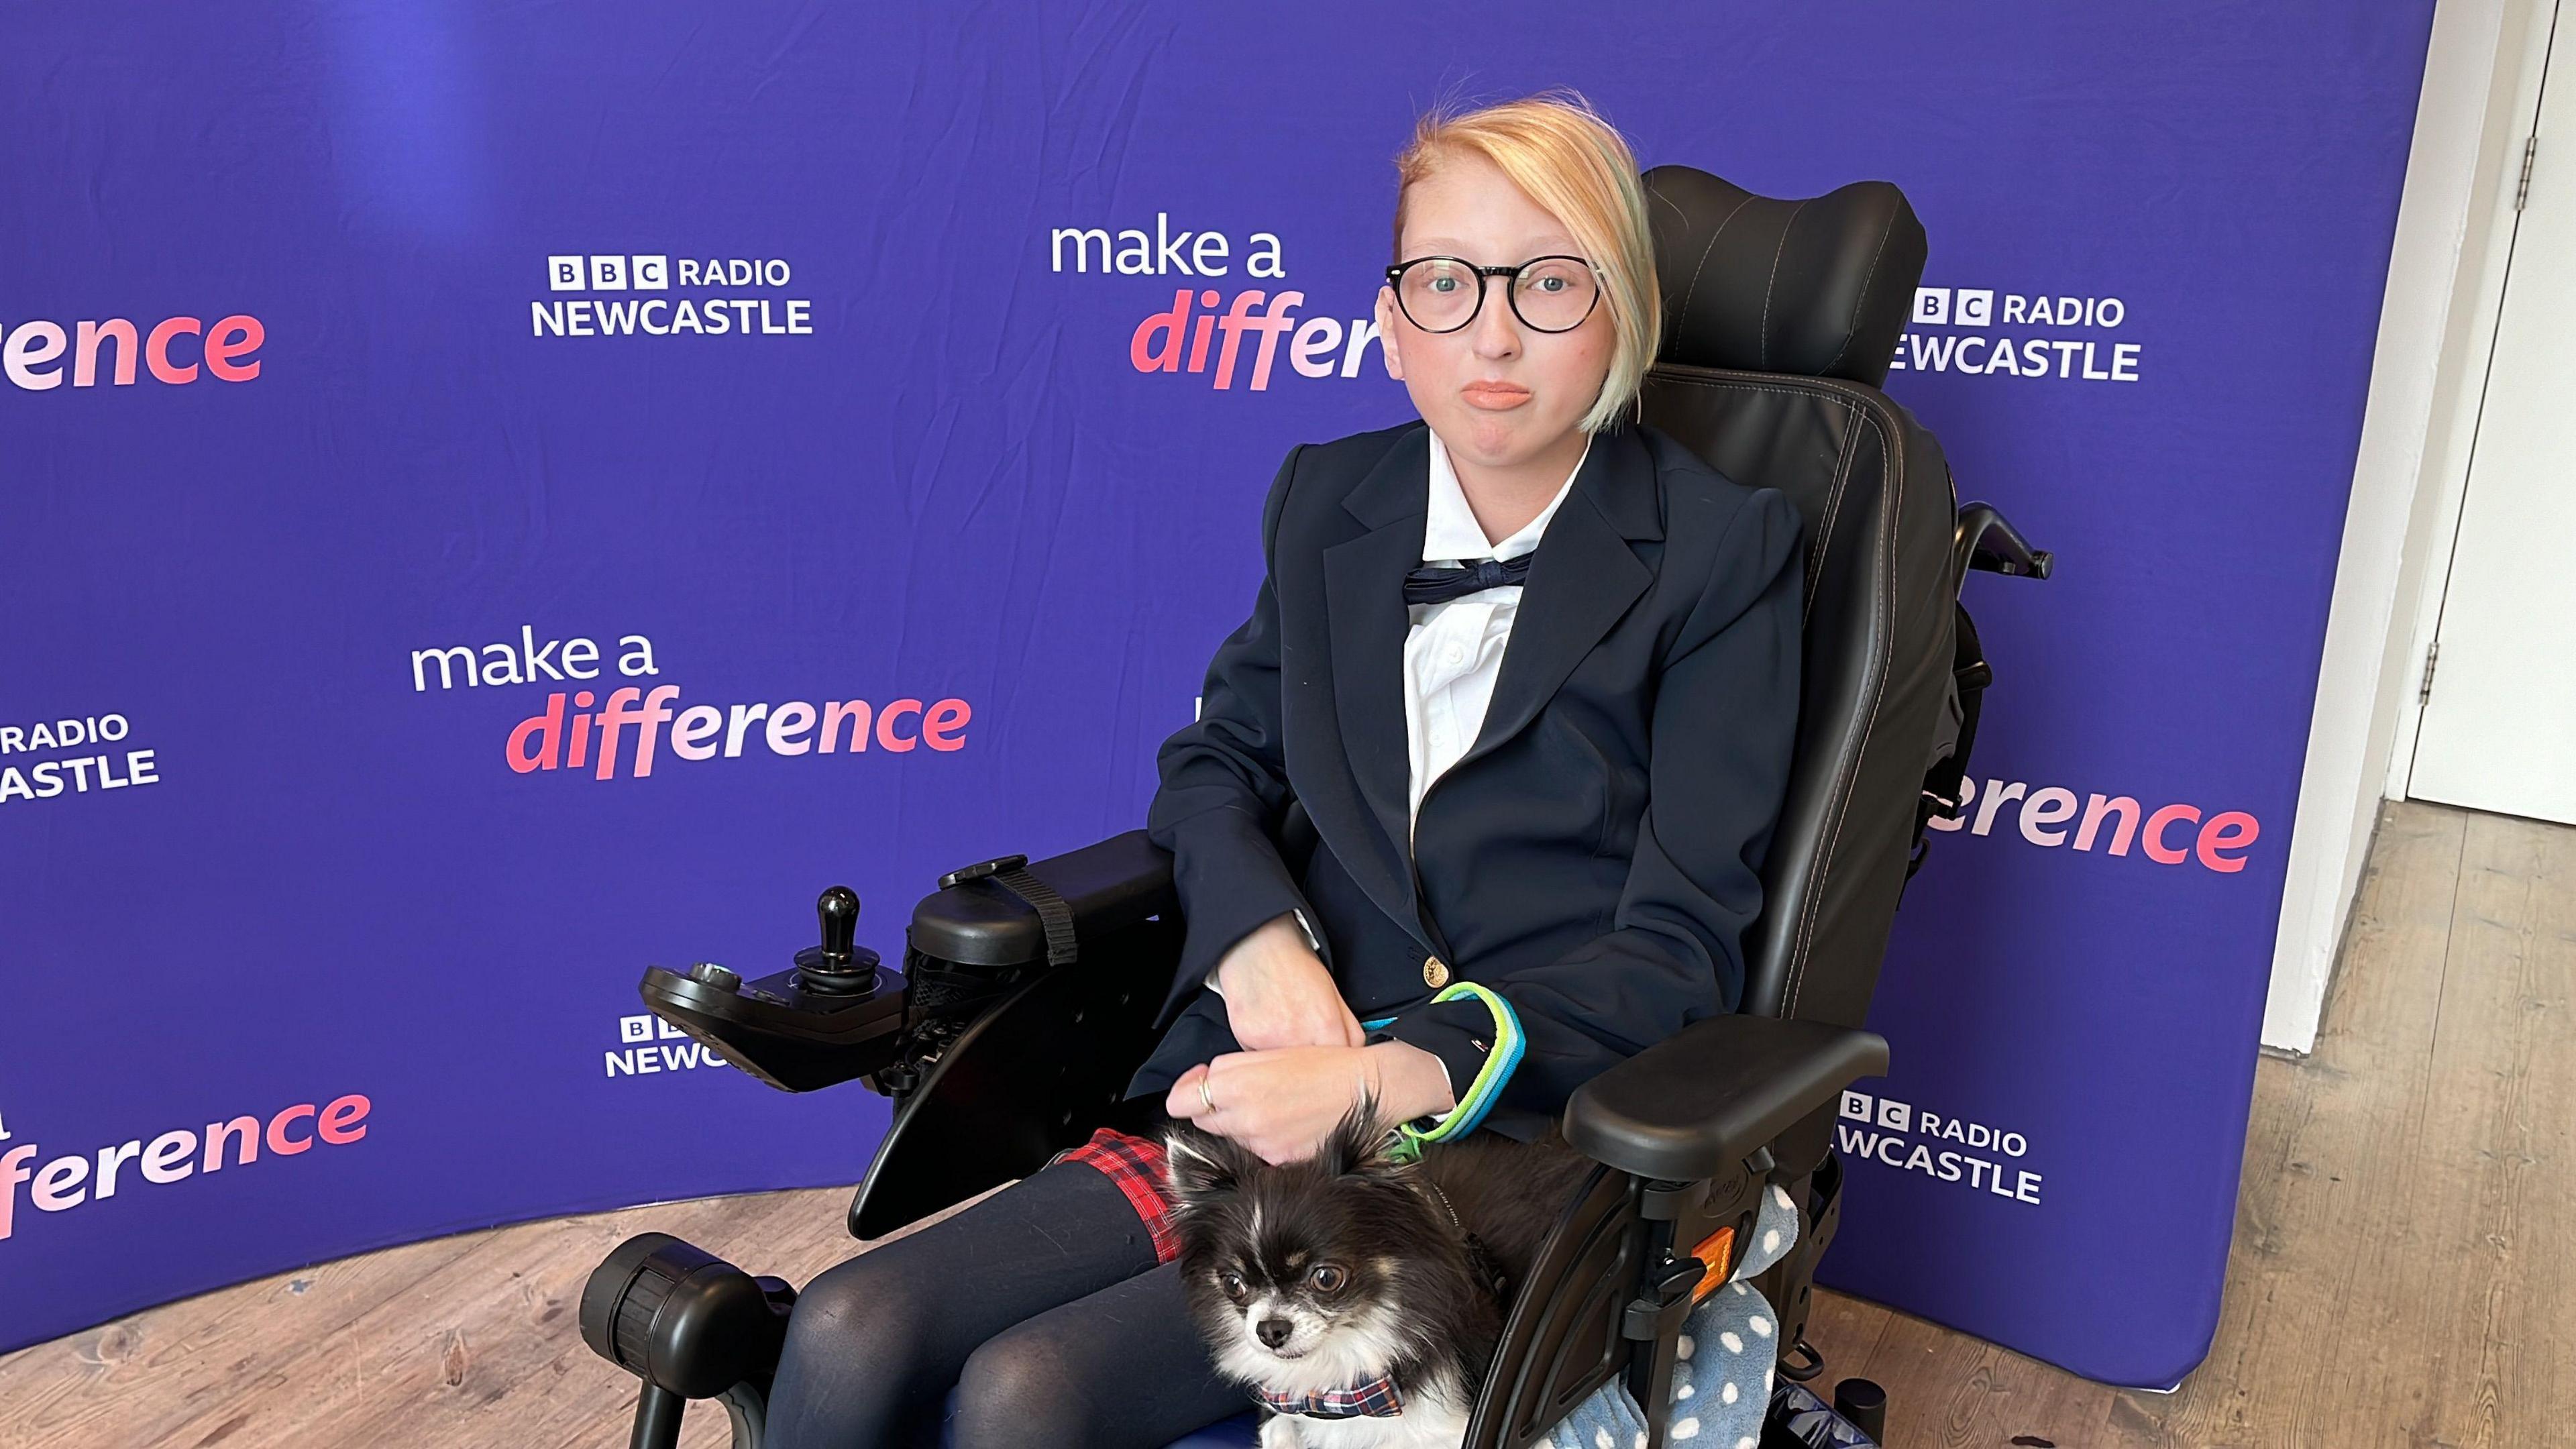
[(1376, 1399)]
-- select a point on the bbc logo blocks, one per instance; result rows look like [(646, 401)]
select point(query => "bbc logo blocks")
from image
[(1964, 307), (608, 273), (1893, 1115)]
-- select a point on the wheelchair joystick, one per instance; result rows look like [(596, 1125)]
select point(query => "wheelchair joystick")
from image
[(838, 909), (839, 966), (835, 1013)]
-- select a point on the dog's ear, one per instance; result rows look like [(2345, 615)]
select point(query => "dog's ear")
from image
[(1199, 1166), (1360, 1145)]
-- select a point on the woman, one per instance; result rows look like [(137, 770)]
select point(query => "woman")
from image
[(1531, 670)]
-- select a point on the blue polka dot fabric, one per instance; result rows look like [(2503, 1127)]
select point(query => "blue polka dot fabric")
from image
[(1722, 1386)]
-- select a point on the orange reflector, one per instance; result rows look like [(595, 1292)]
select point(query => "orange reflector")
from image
[(1717, 1250)]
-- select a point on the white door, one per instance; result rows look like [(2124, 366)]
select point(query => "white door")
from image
[(2499, 727)]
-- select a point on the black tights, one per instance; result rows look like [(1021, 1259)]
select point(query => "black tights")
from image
[(1042, 1305)]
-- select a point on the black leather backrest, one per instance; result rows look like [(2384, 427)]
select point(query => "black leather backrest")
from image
[(1879, 510)]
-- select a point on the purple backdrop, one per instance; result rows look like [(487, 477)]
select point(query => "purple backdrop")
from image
[(364, 256)]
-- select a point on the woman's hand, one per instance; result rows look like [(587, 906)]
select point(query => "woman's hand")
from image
[(1281, 1103), (1279, 994)]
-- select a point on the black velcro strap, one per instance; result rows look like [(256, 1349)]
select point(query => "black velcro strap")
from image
[(1054, 915)]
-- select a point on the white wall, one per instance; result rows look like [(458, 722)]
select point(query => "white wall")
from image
[(2445, 269)]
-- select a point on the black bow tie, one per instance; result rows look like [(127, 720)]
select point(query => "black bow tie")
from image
[(1428, 585)]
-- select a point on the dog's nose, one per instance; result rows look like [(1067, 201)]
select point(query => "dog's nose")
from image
[(1274, 1331)]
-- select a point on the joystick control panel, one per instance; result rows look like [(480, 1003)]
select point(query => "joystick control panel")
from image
[(836, 1013)]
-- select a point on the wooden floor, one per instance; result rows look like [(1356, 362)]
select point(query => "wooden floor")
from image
[(2401, 1271)]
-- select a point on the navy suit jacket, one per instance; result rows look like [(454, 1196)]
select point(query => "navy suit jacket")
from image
[(1593, 858)]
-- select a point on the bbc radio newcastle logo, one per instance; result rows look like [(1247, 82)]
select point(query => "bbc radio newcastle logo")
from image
[(2030, 335), (82, 756), (1952, 1151), (656, 295)]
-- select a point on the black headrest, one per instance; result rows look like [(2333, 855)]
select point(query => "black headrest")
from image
[(1820, 287)]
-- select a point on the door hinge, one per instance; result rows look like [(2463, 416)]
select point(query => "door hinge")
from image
[(2424, 693), (2522, 191)]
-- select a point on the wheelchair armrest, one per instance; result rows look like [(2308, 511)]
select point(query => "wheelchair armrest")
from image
[(1108, 887), (1706, 1098)]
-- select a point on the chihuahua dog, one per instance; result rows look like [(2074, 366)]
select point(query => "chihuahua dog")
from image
[(1359, 1295)]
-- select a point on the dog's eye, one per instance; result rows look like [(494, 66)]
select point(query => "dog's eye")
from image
[(1232, 1283), (1327, 1278)]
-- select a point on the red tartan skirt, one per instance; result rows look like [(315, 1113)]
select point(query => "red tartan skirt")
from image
[(1136, 1165)]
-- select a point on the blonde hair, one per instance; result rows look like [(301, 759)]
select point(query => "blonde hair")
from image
[(1561, 152)]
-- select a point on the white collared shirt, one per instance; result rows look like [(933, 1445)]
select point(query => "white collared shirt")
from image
[(1454, 651)]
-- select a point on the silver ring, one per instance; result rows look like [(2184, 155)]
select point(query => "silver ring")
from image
[(1206, 1100)]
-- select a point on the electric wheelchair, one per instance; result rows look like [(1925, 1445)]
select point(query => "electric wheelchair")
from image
[(1027, 989)]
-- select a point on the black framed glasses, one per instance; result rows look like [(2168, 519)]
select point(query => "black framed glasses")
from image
[(1443, 294)]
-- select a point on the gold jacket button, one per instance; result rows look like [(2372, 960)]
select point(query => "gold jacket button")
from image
[(1435, 972)]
